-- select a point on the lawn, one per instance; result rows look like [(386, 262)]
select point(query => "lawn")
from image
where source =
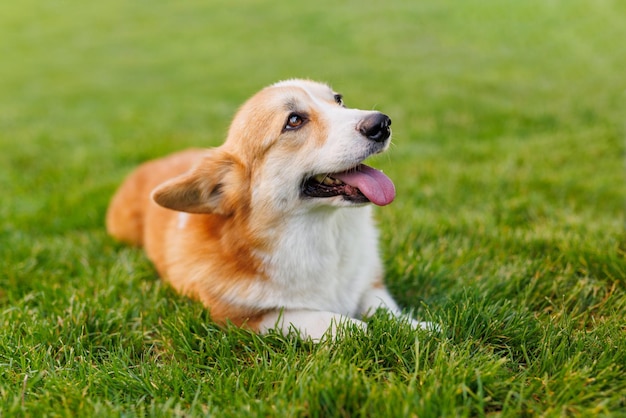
[(507, 231)]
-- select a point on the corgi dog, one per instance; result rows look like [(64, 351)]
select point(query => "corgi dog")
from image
[(273, 229)]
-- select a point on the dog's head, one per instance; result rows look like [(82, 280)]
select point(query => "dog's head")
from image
[(293, 145)]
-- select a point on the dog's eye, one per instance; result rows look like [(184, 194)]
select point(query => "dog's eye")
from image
[(294, 121), (339, 99)]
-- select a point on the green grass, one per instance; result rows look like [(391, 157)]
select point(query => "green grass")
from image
[(508, 229)]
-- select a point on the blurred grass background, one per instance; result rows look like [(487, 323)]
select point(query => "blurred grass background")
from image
[(508, 228)]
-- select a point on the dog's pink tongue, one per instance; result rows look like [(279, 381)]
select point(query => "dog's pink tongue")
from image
[(376, 186)]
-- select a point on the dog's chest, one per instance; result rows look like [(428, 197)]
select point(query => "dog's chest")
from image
[(324, 262)]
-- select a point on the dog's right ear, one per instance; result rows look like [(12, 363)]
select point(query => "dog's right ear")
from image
[(203, 188)]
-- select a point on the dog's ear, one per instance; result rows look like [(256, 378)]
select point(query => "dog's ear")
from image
[(203, 189)]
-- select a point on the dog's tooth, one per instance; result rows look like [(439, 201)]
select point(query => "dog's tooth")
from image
[(327, 180)]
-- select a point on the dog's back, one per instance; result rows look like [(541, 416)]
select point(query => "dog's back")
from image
[(125, 218)]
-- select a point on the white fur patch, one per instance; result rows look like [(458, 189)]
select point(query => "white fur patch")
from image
[(315, 325), (183, 218)]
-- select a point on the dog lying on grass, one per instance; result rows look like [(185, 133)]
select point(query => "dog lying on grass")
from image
[(273, 229)]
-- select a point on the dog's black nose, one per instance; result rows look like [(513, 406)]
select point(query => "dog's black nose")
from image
[(375, 127)]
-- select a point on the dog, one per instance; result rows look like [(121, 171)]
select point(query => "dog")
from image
[(273, 229)]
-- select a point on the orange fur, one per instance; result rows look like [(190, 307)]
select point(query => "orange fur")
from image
[(126, 215)]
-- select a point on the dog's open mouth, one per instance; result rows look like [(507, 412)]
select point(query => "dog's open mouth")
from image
[(361, 184)]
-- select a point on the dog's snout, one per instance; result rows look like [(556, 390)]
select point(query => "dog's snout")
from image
[(375, 127)]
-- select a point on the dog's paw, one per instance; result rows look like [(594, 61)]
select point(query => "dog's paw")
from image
[(312, 325), (328, 326)]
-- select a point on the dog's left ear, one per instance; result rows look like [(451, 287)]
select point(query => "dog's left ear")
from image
[(204, 188)]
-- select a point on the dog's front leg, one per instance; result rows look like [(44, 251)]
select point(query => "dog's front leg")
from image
[(308, 324), (379, 297)]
